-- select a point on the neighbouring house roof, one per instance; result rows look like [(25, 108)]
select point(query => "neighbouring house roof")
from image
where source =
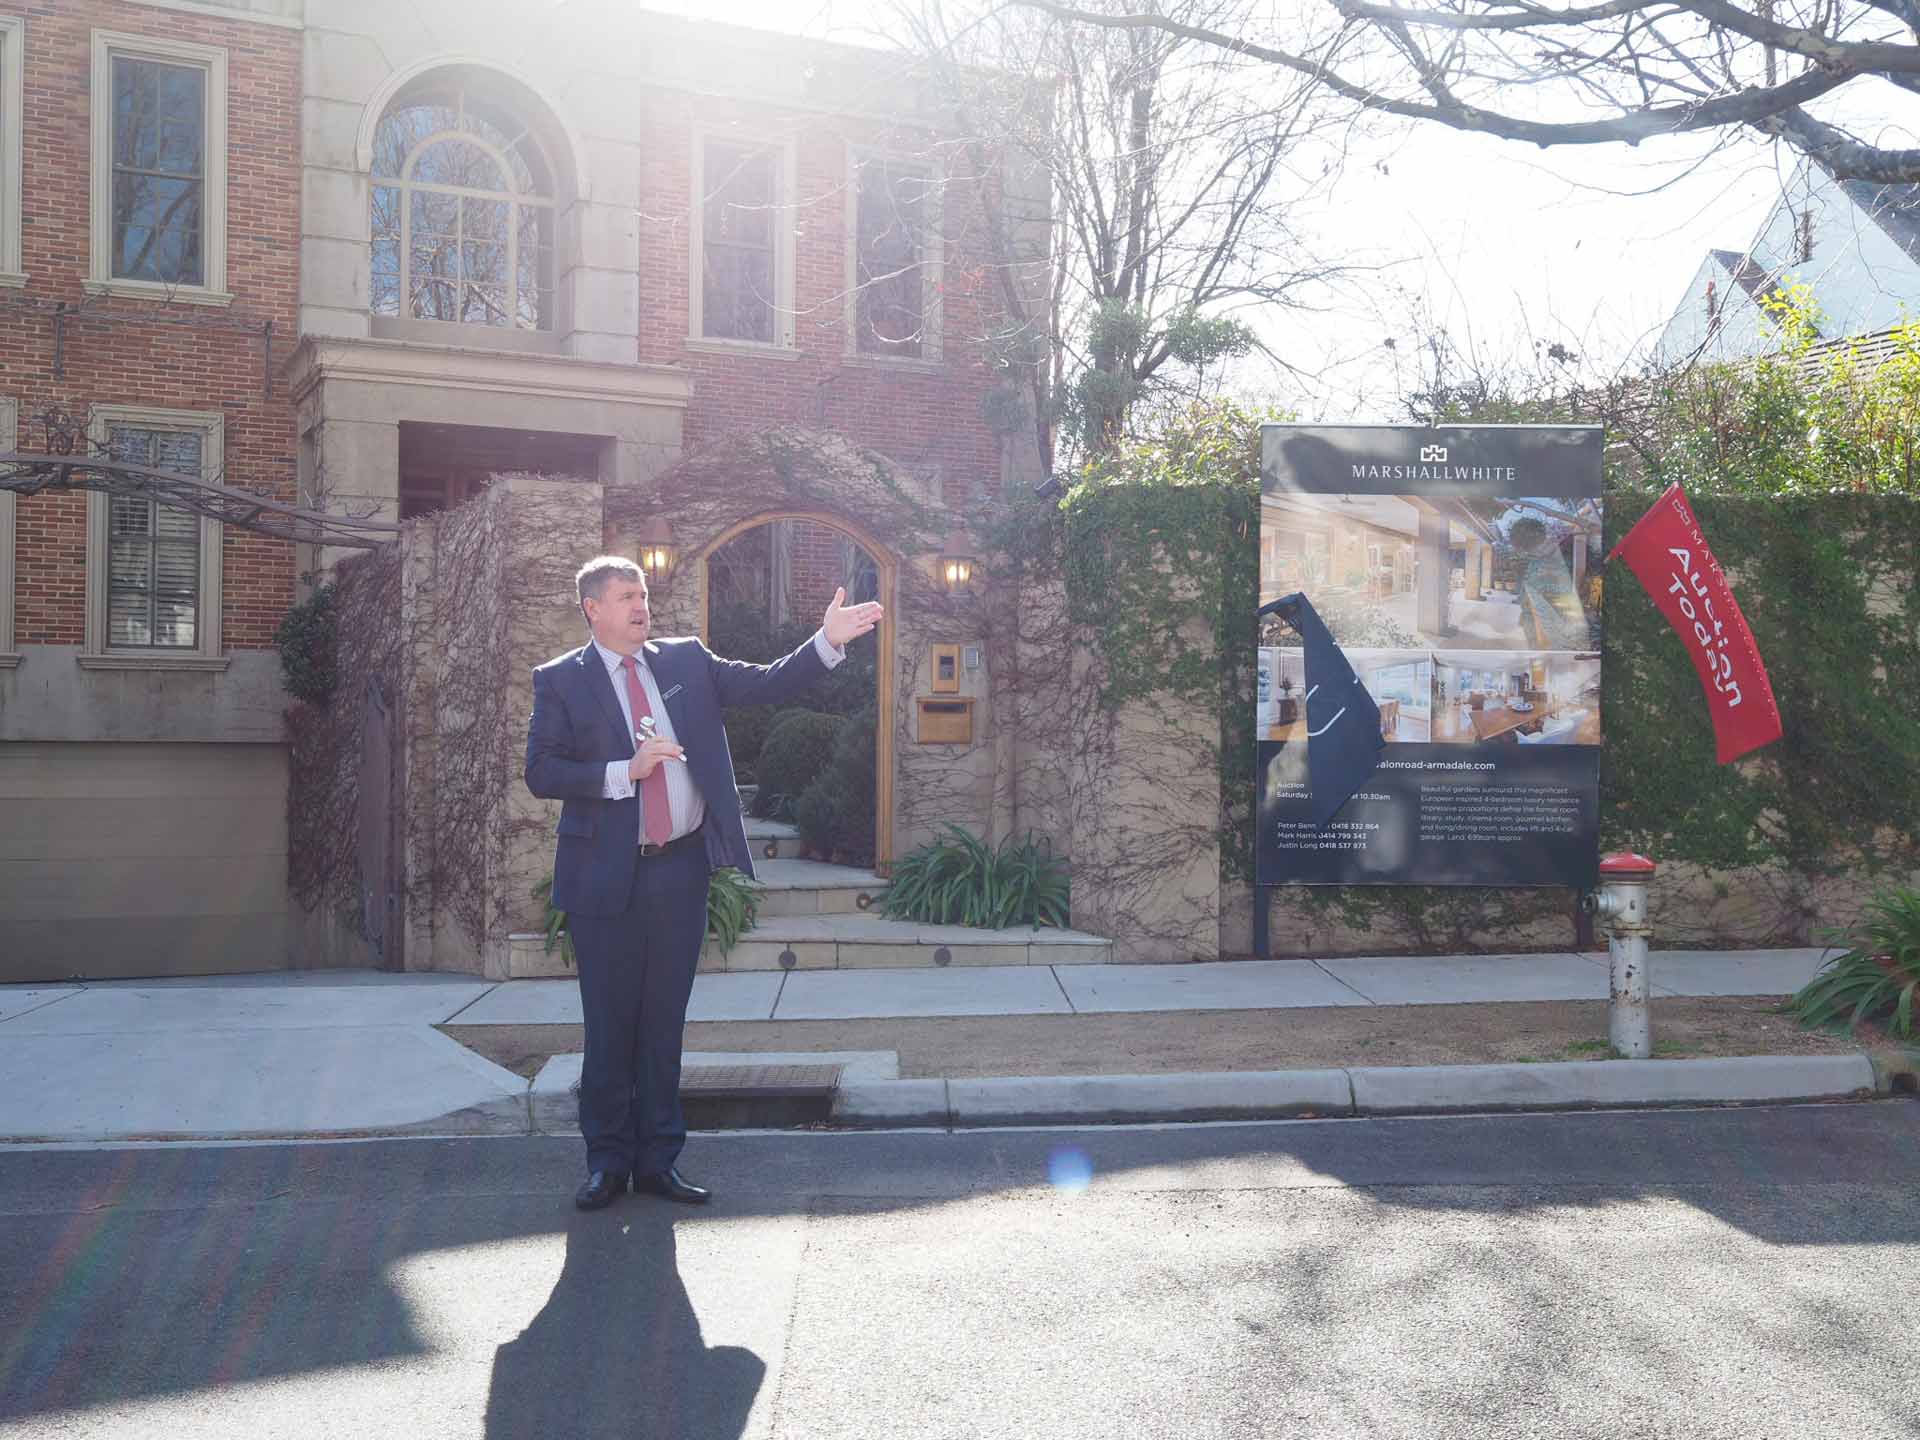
[(1894, 208), (1747, 273), (1856, 244)]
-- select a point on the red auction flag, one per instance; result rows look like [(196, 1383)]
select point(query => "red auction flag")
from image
[(1669, 554)]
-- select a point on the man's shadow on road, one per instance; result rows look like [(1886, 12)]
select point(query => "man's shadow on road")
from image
[(616, 1351)]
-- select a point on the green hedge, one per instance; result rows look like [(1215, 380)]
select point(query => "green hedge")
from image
[(835, 813), (795, 755), (741, 632), (1827, 583)]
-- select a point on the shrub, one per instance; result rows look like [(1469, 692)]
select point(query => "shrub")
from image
[(306, 640), (743, 632), (1877, 976), (796, 752), (835, 812), (747, 727), (733, 906), (960, 881)]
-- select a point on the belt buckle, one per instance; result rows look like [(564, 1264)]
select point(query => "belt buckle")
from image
[(648, 849)]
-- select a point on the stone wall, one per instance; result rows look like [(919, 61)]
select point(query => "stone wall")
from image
[(491, 598)]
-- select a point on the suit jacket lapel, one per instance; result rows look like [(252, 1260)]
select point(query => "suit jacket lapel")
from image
[(675, 701), (601, 684)]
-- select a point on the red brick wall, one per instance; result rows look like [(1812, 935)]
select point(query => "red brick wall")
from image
[(919, 418), (814, 556), (117, 355)]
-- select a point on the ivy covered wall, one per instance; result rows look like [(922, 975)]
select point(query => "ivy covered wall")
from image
[(1160, 564)]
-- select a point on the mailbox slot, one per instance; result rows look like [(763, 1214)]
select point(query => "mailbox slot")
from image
[(946, 722)]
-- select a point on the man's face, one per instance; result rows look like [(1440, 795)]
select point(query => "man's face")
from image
[(620, 618)]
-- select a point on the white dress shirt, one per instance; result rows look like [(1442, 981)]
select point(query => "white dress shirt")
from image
[(683, 796)]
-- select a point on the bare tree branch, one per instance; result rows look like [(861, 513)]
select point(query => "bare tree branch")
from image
[(1650, 68)]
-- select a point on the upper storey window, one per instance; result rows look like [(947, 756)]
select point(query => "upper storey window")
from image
[(159, 118), (463, 215), (895, 259)]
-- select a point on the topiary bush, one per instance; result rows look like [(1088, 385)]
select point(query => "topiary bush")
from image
[(795, 754), (743, 632), (835, 812), (305, 636)]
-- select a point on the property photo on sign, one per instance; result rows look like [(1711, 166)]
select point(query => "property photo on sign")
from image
[(1458, 571)]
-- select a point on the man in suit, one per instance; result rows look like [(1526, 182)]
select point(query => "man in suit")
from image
[(626, 734)]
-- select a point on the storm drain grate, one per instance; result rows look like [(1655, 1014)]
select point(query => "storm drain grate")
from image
[(759, 1081)]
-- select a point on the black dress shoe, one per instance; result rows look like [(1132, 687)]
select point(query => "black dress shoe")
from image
[(671, 1186), (603, 1187)]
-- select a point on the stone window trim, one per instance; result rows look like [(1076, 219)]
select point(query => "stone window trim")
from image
[(932, 262), (540, 192), (785, 257), (9, 440), (13, 47), (96, 653), (111, 45)]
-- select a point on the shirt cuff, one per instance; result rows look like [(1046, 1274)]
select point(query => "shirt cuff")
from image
[(829, 656), (619, 784)]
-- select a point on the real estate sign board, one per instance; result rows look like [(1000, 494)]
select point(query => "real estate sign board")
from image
[(1458, 567)]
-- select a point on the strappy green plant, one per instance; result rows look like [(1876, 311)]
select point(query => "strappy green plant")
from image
[(1877, 976), (960, 880), (733, 906)]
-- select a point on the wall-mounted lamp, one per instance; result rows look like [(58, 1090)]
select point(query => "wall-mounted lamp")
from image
[(657, 550), (956, 560)]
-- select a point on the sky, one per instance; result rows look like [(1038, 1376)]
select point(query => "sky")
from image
[(1499, 244)]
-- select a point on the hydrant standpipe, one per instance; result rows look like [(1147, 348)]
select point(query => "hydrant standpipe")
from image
[(1621, 905)]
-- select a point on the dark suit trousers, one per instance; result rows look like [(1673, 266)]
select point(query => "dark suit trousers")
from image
[(636, 974)]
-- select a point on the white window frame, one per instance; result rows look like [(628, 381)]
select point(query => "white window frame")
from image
[(420, 326), (97, 654), (932, 264), (111, 45), (786, 173), (9, 440), (13, 49)]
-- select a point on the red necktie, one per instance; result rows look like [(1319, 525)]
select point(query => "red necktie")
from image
[(653, 789)]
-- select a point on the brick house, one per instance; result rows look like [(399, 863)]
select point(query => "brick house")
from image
[(149, 200), (423, 255)]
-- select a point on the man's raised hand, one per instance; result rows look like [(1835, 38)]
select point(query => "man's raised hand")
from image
[(846, 622)]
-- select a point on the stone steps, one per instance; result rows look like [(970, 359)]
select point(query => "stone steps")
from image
[(772, 840), (814, 916), (855, 941), (807, 887)]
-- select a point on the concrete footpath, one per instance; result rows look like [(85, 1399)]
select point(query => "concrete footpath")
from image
[(335, 1053)]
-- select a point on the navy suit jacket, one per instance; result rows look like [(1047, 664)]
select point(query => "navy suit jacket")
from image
[(577, 728)]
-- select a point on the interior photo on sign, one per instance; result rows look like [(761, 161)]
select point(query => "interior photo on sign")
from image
[(1400, 682), (1437, 571), (1500, 698)]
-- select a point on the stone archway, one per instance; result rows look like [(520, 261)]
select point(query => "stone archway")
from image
[(694, 566), (732, 485)]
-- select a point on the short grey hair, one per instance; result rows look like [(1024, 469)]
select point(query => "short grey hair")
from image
[(590, 581)]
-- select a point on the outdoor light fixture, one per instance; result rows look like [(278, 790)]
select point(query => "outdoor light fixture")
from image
[(956, 560), (657, 549)]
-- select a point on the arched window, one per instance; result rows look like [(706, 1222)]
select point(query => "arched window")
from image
[(463, 214)]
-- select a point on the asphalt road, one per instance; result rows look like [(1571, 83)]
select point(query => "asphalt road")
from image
[(1718, 1273)]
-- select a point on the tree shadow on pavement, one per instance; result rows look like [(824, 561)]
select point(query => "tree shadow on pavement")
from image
[(146, 1273)]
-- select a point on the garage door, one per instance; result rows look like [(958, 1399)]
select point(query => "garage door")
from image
[(121, 860)]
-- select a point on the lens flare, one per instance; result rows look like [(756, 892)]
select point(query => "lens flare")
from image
[(1069, 1169)]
